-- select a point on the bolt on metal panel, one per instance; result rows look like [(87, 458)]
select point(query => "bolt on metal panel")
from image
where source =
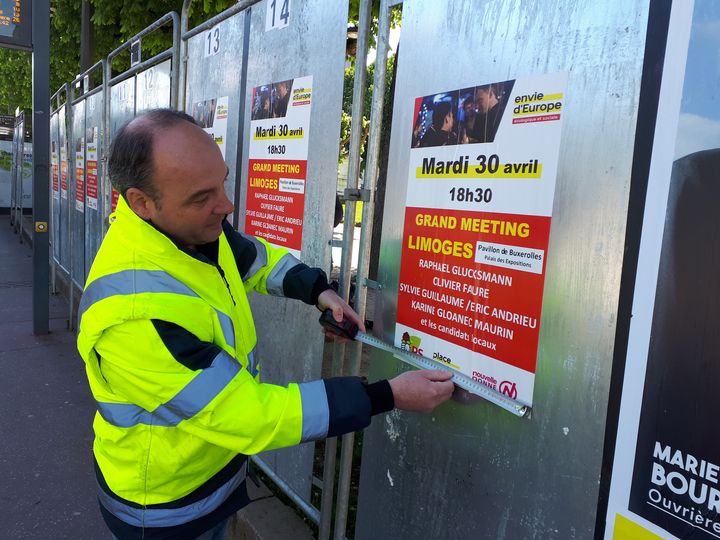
[(313, 44), (76, 195), (473, 470), (213, 78)]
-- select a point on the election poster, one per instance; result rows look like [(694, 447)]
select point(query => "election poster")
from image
[(63, 171), (212, 116), (666, 471), (481, 183), (80, 175), (277, 164), (54, 168), (92, 168)]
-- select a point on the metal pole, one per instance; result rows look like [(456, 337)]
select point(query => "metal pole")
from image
[(21, 163), (183, 54), (241, 117), (175, 69), (309, 511), (371, 172), (359, 85), (41, 163), (70, 127), (106, 186)]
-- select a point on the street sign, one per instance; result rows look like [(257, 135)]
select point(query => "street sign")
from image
[(16, 24)]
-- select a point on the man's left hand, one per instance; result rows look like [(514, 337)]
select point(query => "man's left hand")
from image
[(330, 300)]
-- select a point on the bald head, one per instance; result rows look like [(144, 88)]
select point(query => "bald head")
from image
[(131, 162)]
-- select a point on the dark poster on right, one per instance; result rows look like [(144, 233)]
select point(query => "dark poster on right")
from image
[(676, 473)]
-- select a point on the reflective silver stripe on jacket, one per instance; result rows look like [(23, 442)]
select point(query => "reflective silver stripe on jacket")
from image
[(315, 410), (127, 282), (274, 284), (193, 398), (168, 517), (261, 258)]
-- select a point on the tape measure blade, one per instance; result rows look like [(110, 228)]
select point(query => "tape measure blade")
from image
[(461, 380)]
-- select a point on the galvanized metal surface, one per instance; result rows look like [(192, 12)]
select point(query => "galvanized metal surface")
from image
[(218, 76), (55, 196), (122, 105), (153, 87), (6, 149), (77, 213), (64, 156), (94, 127), (312, 44), (474, 470), (340, 350), (352, 361), (16, 187)]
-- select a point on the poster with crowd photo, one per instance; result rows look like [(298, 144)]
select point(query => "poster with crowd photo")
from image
[(477, 223), (666, 471), (212, 116), (277, 164)]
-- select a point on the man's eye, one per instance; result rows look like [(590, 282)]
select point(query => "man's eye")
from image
[(200, 201)]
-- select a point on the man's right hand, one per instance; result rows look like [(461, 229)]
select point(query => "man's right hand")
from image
[(421, 391)]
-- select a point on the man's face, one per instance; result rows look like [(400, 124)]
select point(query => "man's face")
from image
[(189, 178), (448, 122), (485, 100)]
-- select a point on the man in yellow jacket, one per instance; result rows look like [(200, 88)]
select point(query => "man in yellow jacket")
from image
[(168, 340)]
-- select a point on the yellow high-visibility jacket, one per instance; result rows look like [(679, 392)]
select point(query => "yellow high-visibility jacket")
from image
[(168, 340)]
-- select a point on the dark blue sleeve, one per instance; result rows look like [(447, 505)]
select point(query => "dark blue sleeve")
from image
[(352, 403), (301, 282)]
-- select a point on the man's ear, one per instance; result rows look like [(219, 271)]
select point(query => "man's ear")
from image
[(140, 203)]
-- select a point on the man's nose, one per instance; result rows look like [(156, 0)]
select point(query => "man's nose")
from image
[(225, 207)]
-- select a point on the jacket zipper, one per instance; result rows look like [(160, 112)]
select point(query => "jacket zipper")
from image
[(222, 275)]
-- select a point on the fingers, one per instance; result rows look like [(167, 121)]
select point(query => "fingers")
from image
[(340, 308), (436, 374), (421, 391), (352, 315)]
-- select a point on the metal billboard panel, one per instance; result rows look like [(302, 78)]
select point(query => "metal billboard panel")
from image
[(55, 184), (213, 76), (94, 176), (6, 148), (280, 55), (122, 104), (471, 469), (152, 88), (76, 195), (65, 170)]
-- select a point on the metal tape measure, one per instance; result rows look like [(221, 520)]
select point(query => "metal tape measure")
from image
[(349, 330)]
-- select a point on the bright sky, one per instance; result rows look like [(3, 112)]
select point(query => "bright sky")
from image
[(699, 126)]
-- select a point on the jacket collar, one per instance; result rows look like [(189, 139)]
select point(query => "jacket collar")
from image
[(166, 244)]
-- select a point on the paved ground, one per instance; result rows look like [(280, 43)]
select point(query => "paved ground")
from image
[(47, 487)]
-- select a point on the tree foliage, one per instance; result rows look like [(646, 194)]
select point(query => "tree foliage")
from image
[(367, 102), (114, 22), (353, 15)]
